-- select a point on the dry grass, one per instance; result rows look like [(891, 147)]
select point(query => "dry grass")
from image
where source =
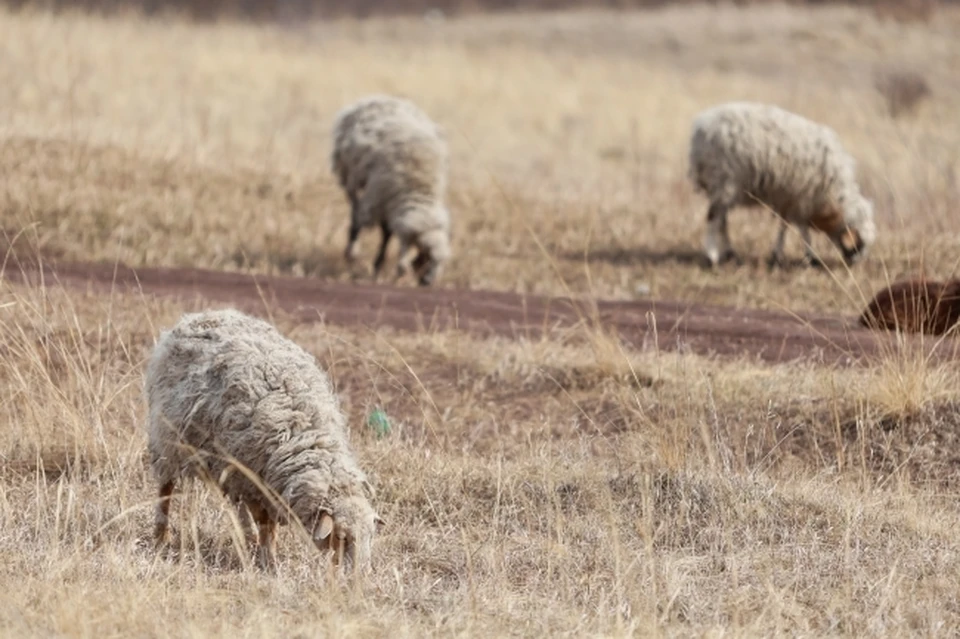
[(162, 143), (710, 495), (564, 485)]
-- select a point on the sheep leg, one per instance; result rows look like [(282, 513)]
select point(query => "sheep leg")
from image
[(717, 239), (777, 258), (267, 541), (246, 521), (402, 261), (382, 252), (809, 258), (351, 251), (161, 532)]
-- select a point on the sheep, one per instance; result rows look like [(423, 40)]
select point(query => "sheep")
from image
[(744, 152), (230, 399), (391, 161), (914, 306)]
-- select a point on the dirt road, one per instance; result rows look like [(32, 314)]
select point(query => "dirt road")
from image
[(706, 330)]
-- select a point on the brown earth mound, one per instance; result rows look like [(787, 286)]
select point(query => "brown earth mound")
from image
[(914, 306), (645, 325)]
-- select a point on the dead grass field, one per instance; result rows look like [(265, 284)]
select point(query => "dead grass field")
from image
[(563, 485)]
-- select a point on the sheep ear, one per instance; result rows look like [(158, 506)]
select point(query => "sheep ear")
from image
[(325, 527)]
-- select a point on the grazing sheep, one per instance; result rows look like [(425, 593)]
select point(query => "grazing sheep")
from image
[(232, 400), (743, 152), (391, 161), (914, 306)]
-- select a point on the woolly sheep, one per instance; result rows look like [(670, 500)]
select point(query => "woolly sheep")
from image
[(232, 400), (391, 161), (741, 152)]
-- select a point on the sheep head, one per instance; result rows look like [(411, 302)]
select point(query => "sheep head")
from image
[(347, 528), (434, 247), (859, 232)]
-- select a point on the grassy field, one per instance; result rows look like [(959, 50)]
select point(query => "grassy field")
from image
[(563, 485)]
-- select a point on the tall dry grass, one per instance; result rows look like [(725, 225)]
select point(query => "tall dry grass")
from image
[(558, 485), (552, 494), (163, 143)]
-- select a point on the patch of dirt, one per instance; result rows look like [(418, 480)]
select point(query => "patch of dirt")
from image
[(644, 324)]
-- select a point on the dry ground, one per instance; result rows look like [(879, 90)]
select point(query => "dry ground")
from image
[(559, 482)]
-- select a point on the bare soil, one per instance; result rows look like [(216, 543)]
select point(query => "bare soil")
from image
[(767, 336)]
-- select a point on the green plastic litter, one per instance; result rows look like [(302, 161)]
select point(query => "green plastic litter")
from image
[(379, 423)]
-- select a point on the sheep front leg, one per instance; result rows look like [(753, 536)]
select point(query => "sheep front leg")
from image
[(267, 538), (267, 550), (161, 531), (244, 514), (402, 259), (717, 241), (809, 257), (777, 258)]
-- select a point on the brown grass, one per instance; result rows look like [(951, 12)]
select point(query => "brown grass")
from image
[(563, 485)]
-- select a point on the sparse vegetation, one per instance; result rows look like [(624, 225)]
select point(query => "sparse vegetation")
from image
[(559, 484)]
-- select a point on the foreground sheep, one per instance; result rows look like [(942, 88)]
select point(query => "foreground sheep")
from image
[(742, 152), (391, 161), (228, 396)]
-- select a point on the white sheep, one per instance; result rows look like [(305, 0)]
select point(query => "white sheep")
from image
[(391, 160), (232, 400), (744, 153)]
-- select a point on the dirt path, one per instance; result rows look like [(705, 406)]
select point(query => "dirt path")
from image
[(706, 330)]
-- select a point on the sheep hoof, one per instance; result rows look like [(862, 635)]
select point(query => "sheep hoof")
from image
[(162, 538), (728, 256), (266, 563), (775, 261), (814, 262)]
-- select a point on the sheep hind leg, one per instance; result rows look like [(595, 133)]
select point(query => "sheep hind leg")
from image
[(809, 257), (354, 194), (267, 540), (717, 241), (161, 526), (350, 253), (382, 252)]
